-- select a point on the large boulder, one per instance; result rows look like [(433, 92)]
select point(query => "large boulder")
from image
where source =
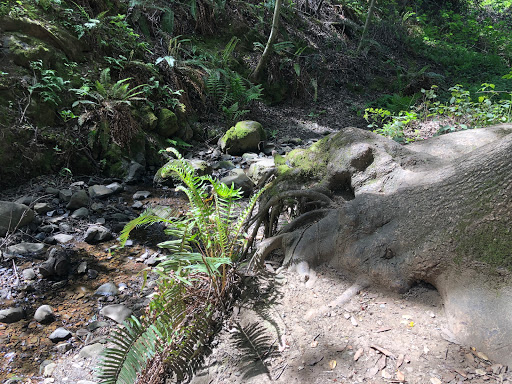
[(13, 215), (245, 136)]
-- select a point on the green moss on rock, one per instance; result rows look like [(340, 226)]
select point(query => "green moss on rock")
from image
[(167, 123), (245, 136)]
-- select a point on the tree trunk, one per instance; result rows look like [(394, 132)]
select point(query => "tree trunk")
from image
[(271, 38), (366, 25), (438, 211)]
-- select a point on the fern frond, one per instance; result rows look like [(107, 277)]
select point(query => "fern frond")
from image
[(256, 346), (133, 346), (148, 217)]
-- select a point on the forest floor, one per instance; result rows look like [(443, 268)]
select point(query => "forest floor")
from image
[(376, 337)]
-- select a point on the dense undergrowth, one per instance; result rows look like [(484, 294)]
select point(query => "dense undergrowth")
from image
[(180, 63), (107, 82)]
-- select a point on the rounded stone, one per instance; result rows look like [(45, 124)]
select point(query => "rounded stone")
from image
[(11, 315), (29, 274), (107, 289), (116, 312), (44, 314), (60, 334)]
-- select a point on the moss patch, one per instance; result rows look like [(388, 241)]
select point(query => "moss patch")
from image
[(490, 242)]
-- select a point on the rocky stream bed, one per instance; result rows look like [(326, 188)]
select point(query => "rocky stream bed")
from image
[(65, 282)]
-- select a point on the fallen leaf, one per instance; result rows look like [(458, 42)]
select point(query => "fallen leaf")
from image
[(358, 354), (386, 375), (382, 330), (382, 350), (381, 364), (400, 376), (482, 356), (332, 364), (400, 360), (480, 372), (411, 324), (435, 380)]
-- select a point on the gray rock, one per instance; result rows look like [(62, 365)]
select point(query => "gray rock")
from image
[(63, 238), (139, 195), (78, 200), (60, 334), (80, 213), (116, 187), (97, 207), (240, 180), (48, 369), (97, 234), (41, 208), (57, 263), (29, 274), (51, 191), (91, 351), (224, 164), (250, 157), (92, 274), (26, 249), (11, 315), (96, 324), (48, 228), (259, 169), (99, 191), (116, 312), (44, 314), (13, 215), (107, 289), (63, 348), (65, 195), (135, 173), (119, 217), (65, 227), (245, 136), (82, 268), (27, 200), (137, 205)]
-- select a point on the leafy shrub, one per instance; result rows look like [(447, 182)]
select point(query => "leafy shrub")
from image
[(195, 277), (49, 86), (462, 111)]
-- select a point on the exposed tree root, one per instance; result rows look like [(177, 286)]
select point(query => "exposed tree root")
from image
[(344, 298)]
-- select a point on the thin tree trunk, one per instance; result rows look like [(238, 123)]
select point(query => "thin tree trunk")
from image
[(366, 25), (268, 48)]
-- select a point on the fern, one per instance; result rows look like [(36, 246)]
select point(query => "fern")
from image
[(207, 241), (134, 345), (256, 345)]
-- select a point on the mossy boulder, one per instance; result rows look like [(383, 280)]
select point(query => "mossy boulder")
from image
[(167, 123), (148, 119), (45, 32), (201, 168), (245, 136), (24, 49)]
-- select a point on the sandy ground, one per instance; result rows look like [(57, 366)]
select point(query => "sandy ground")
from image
[(377, 337)]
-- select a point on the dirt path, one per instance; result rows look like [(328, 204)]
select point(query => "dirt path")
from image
[(377, 337)]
